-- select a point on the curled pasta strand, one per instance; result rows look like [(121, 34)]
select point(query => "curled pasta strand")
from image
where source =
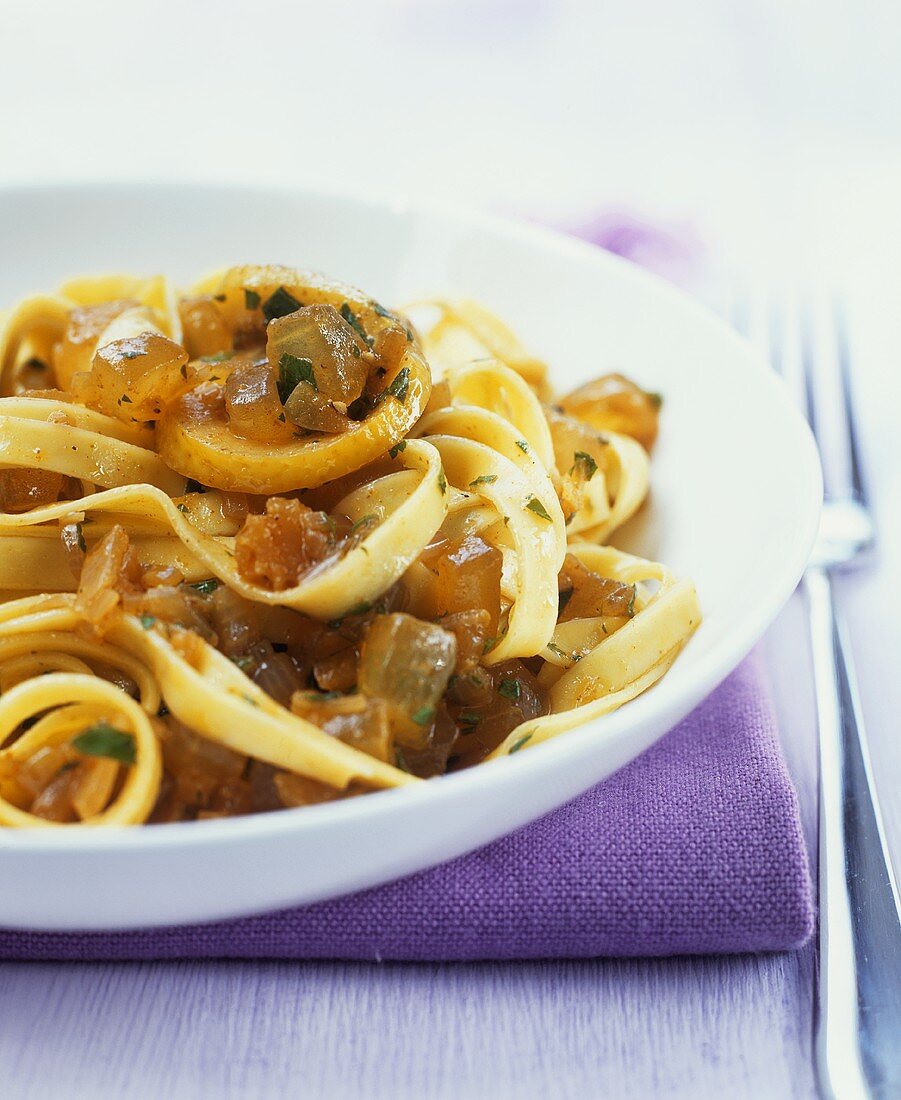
[(75, 701), (621, 665), (73, 653), (332, 589)]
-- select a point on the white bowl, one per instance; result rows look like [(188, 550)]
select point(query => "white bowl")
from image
[(735, 504)]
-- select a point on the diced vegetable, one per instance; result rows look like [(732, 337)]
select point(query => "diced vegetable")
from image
[(252, 403), (276, 549), (205, 329), (407, 663), (469, 577), (75, 351), (22, 489), (514, 698), (616, 404), (134, 378), (313, 411), (332, 347), (585, 595), (354, 719)]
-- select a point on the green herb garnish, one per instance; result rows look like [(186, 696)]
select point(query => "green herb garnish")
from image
[(219, 357), (103, 739), (292, 370), (442, 481), (147, 621), (206, 587), (483, 479), (124, 399), (423, 716), (535, 505), (400, 761), (523, 446), (365, 521), (79, 538), (397, 448), (556, 649), (400, 383), (380, 310), (510, 689), (517, 745), (656, 399), (251, 299), (587, 464), (279, 304), (630, 611), (348, 314)]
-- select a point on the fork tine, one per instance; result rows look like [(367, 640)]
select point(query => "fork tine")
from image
[(858, 484), (808, 360)]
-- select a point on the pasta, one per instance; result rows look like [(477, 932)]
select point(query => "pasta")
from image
[(266, 544)]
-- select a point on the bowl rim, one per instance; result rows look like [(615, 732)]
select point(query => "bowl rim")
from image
[(704, 675)]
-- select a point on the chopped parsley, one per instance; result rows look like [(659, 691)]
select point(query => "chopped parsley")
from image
[(400, 761), (656, 399), (587, 465), (399, 385), (79, 538), (219, 357), (397, 448), (517, 745), (380, 309), (630, 611), (470, 720), (147, 621), (206, 587), (292, 370), (365, 521), (103, 739), (251, 298), (279, 304), (510, 689), (535, 505), (348, 314), (442, 481), (193, 486), (559, 652), (483, 479), (423, 716), (124, 399), (523, 446)]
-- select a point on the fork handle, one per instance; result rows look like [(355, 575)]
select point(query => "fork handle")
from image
[(858, 1019)]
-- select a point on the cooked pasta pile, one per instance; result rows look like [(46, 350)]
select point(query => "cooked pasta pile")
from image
[(268, 544)]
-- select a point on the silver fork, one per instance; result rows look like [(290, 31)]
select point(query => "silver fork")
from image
[(858, 998)]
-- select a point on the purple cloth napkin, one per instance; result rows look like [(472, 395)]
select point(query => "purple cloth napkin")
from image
[(693, 848)]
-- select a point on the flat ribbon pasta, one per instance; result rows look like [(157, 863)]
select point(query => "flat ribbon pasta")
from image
[(599, 672), (405, 526)]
